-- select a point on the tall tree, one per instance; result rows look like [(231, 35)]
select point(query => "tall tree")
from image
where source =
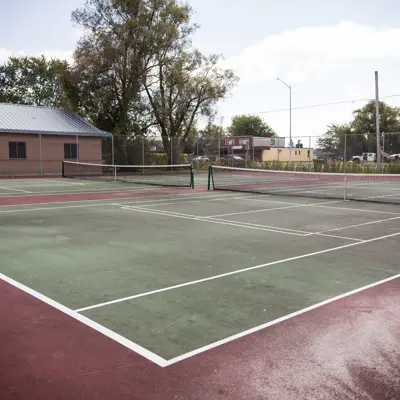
[(185, 85), (250, 125), (34, 81), (361, 131), (212, 131), (364, 122), (112, 58)]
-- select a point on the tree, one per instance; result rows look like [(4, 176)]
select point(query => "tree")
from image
[(34, 81), (184, 85), (250, 125), (364, 122), (111, 60), (137, 71), (339, 136), (360, 133), (208, 142)]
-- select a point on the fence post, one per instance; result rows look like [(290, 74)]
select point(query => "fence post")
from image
[(172, 151), (112, 150), (40, 155), (77, 148)]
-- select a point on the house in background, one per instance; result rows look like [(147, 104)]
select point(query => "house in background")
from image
[(35, 140)]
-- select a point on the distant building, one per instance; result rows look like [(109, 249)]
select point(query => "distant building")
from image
[(276, 154), (35, 140), (263, 149)]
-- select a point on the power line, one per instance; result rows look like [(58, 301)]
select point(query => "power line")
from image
[(312, 106)]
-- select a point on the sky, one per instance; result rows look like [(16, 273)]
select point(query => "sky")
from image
[(328, 51)]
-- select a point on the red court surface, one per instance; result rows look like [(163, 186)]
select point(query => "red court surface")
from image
[(348, 349)]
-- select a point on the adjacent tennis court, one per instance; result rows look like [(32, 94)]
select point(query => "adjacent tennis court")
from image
[(171, 275)]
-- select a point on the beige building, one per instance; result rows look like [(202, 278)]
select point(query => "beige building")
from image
[(283, 154), (35, 140)]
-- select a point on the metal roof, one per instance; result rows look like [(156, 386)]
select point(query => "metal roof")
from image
[(18, 118)]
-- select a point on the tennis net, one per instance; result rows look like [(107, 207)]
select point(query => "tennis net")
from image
[(158, 175), (383, 188)]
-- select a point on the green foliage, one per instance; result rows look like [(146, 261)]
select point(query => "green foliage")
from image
[(34, 81), (212, 131), (138, 72), (250, 125), (361, 131)]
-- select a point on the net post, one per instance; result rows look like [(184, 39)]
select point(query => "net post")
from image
[(115, 172), (192, 177), (62, 169), (142, 140), (112, 150), (209, 178)]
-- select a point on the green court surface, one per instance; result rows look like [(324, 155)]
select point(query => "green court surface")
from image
[(180, 273)]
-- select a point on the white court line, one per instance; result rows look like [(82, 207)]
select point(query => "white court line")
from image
[(294, 205), (210, 219), (357, 225), (201, 219), (255, 211), (15, 190), (337, 237), (110, 202), (278, 229), (380, 196), (178, 201), (277, 321), (88, 322), (68, 182), (256, 226), (87, 190), (211, 278), (304, 233), (320, 205)]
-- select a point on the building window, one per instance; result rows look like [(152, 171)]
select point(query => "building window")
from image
[(71, 150), (17, 149), (308, 154)]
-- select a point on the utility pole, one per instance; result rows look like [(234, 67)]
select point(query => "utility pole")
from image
[(290, 117), (378, 130)]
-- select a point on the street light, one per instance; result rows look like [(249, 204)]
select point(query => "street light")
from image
[(290, 117)]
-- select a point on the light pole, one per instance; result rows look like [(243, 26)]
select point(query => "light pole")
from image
[(290, 117)]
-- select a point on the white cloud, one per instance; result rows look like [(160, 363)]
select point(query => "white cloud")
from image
[(323, 64), (304, 52)]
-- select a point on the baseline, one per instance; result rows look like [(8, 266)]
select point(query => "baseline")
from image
[(276, 321), (87, 321)]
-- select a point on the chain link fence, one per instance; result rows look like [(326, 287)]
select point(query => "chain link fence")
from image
[(351, 153)]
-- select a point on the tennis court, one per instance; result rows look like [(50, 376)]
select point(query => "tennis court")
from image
[(174, 274)]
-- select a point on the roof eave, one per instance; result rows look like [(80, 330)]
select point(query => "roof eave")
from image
[(32, 132)]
